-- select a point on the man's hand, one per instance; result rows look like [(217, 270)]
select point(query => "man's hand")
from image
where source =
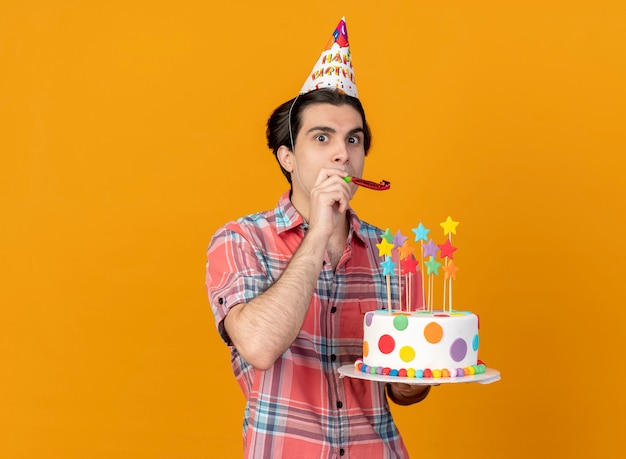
[(329, 199), (407, 394)]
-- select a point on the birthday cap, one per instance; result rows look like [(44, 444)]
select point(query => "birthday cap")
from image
[(334, 66)]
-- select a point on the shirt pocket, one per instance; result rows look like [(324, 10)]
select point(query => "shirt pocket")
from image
[(367, 306), (352, 318)]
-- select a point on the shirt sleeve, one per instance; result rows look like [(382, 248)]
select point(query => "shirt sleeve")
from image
[(235, 272)]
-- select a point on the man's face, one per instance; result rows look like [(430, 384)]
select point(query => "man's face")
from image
[(330, 137)]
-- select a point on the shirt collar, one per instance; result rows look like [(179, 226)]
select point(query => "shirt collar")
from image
[(288, 218)]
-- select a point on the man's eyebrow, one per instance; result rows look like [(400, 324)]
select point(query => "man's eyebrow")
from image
[(322, 129), (332, 130), (357, 130)]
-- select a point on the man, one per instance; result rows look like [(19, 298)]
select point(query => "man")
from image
[(289, 289)]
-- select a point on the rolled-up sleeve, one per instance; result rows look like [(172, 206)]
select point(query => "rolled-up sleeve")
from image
[(235, 273)]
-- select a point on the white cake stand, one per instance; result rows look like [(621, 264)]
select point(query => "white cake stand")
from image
[(490, 375)]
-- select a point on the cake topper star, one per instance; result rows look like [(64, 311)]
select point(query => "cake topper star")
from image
[(446, 249), (449, 226), (421, 233), (388, 266), (405, 250), (387, 236), (430, 249), (384, 247), (450, 270), (409, 265), (399, 239), (432, 266)]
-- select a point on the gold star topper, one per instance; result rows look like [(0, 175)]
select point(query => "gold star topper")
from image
[(384, 248), (449, 226)]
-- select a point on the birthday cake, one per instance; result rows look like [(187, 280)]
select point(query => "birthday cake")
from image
[(421, 344), (413, 339)]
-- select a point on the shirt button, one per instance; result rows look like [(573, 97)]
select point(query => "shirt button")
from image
[(333, 357), (341, 452), (333, 309), (339, 404), (220, 300)]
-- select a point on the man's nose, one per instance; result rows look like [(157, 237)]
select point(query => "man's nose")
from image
[(341, 154)]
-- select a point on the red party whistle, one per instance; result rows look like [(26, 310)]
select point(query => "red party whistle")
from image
[(381, 186)]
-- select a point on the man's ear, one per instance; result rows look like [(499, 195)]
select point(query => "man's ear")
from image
[(285, 158)]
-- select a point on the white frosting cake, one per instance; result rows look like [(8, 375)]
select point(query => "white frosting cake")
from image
[(421, 344)]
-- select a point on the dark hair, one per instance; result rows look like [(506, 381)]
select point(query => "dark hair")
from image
[(278, 133)]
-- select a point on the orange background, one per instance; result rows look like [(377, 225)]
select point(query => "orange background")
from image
[(131, 130)]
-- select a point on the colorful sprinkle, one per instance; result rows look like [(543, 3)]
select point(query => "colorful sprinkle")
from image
[(458, 350), (407, 353), (386, 344), (433, 332), (400, 322)]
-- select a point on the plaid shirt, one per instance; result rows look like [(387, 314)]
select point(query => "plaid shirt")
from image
[(300, 407)]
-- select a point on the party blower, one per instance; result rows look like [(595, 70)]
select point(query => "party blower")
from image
[(381, 186)]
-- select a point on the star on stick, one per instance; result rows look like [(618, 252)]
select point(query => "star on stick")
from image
[(421, 233), (387, 236), (388, 266), (405, 250), (432, 266), (430, 249), (399, 239), (409, 265), (446, 249), (384, 247), (449, 226), (450, 270)]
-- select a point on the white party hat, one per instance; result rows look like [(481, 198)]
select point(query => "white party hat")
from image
[(334, 66)]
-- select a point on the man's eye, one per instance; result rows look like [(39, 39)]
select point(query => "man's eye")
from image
[(322, 137), (353, 140)]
